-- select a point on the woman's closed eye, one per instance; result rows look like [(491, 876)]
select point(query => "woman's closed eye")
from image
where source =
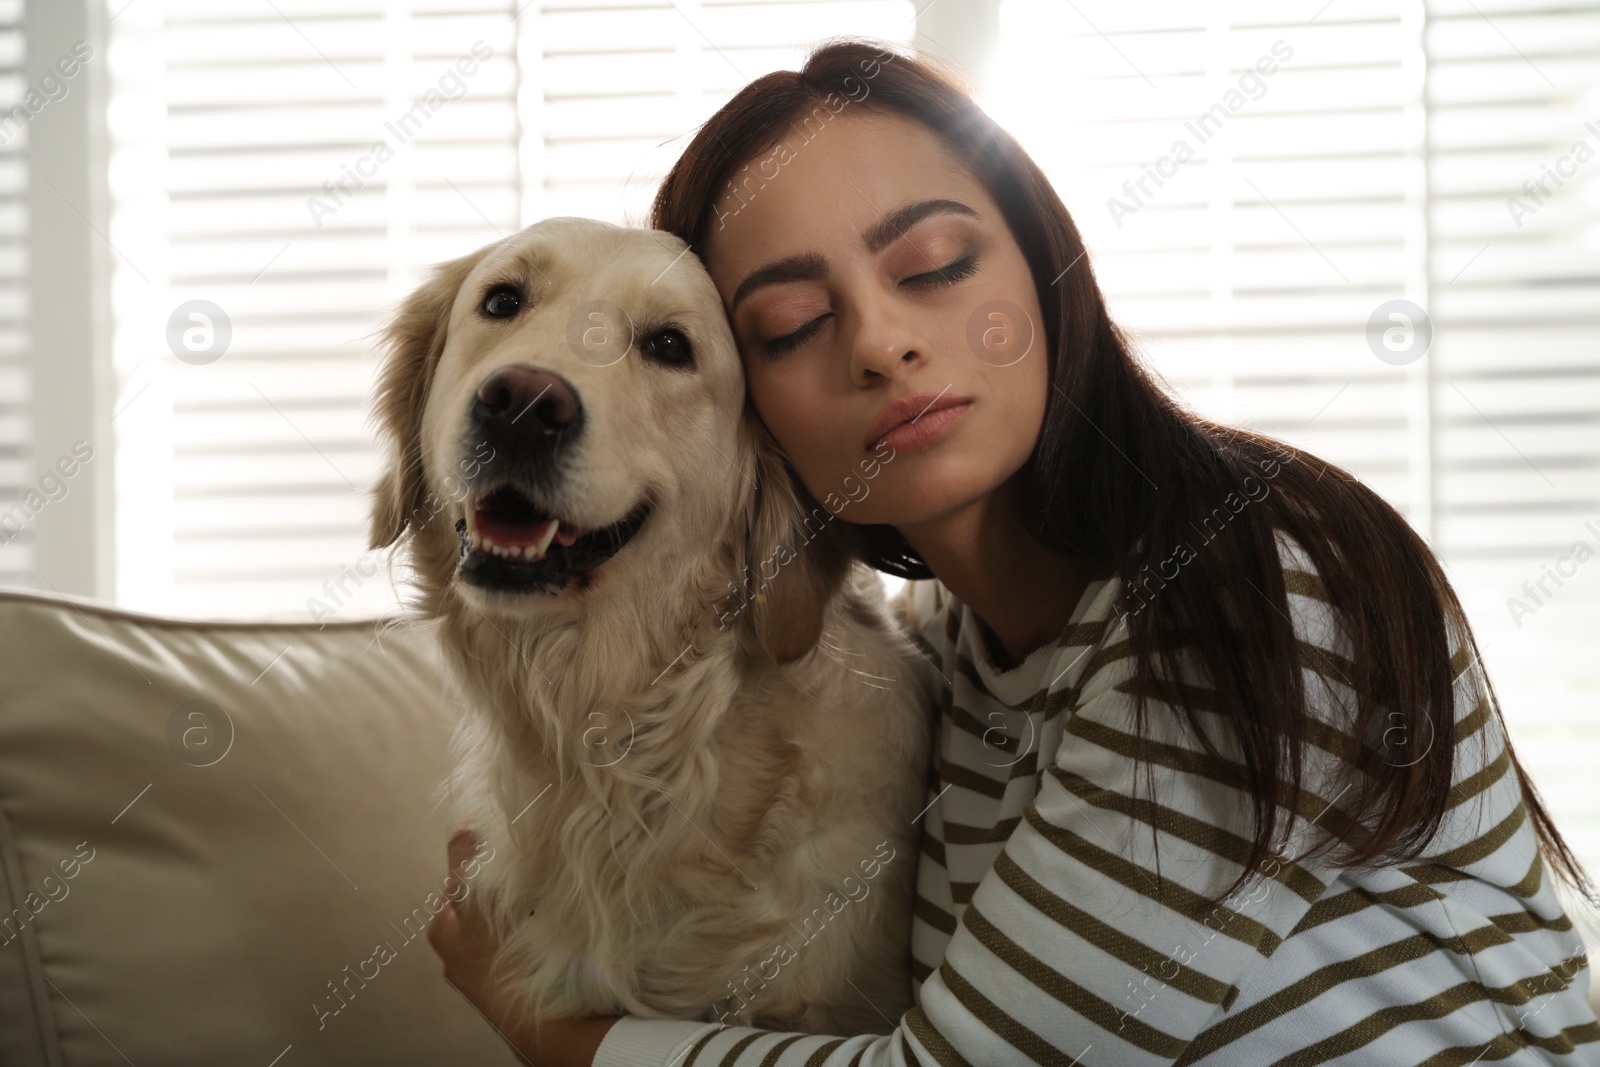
[(948, 274), (790, 341), (951, 272)]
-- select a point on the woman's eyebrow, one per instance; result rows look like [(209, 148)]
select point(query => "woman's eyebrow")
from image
[(811, 266), (879, 234), (806, 267)]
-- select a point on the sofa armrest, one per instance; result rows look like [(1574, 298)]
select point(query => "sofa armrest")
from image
[(222, 840)]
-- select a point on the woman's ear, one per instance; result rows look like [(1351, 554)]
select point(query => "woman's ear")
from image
[(413, 341), (796, 554)]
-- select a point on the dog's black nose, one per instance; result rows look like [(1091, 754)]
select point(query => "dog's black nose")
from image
[(518, 391), (526, 410)]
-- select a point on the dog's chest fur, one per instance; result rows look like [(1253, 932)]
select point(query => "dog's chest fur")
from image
[(700, 847)]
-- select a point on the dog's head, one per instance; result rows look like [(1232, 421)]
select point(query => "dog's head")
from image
[(566, 422)]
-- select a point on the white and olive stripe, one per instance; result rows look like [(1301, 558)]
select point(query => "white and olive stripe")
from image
[(1045, 931)]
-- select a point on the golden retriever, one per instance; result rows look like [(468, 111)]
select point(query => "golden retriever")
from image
[(694, 740)]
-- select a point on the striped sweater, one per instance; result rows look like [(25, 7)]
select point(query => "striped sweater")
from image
[(1038, 936)]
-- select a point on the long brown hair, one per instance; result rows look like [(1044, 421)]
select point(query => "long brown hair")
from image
[(1122, 470)]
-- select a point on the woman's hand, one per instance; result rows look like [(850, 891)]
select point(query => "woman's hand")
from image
[(463, 940)]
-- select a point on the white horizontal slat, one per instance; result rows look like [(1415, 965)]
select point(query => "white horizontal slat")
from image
[(258, 514), (735, 29), (1488, 213), (1559, 349), (1511, 486), (1461, 32), (300, 563), (1530, 302), (1505, 79), (615, 73)]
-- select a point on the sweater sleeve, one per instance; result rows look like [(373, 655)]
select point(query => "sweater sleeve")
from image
[(636, 1042), (1075, 947)]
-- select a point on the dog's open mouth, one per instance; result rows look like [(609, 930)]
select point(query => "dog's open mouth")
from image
[(510, 544)]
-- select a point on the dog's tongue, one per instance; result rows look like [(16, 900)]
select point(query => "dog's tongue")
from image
[(512, 532)]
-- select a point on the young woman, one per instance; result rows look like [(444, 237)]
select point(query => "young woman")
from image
[(1218, 777)]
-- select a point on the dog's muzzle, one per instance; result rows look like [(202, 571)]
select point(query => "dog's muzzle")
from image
[(510, 542)]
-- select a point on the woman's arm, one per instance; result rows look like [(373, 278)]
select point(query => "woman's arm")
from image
[(1065, 953), (463, 940)]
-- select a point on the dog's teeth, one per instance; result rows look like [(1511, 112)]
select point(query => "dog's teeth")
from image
[(543, 544), (530, 553)]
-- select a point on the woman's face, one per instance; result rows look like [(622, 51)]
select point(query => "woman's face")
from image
[(863, 267)]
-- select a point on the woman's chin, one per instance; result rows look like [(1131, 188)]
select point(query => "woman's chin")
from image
[(930, 498)]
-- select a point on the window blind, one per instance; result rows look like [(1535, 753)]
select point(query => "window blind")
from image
[(313, 159), (1256, 183), (623, 86), (1514, 177)]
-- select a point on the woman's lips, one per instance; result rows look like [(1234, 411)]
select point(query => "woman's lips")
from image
[(911, 407), (924, 429)]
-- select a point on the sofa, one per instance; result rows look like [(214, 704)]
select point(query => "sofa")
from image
[(220, 842)]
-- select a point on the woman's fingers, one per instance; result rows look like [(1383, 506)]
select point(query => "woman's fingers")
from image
[(444, 933), (458, 932), (463, 843)]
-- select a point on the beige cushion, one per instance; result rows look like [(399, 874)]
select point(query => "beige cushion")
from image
[(174, 901)]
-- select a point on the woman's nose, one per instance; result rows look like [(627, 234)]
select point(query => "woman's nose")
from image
[(885, 345)]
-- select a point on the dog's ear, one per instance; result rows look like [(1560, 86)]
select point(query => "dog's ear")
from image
[(412, 341), (796, 553)]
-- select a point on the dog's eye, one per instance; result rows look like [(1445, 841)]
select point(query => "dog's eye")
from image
[(502, 302), (669, 346)]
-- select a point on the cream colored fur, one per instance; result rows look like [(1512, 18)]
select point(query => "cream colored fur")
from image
[(707, 782)]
